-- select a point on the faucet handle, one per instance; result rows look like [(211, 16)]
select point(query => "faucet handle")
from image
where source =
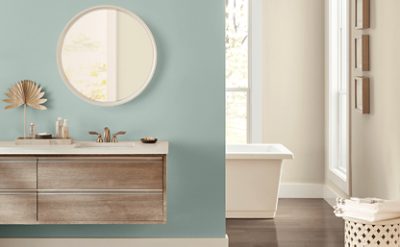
[(114, 137), (99, 138)]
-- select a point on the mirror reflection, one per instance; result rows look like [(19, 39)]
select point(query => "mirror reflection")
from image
[(107, 55)]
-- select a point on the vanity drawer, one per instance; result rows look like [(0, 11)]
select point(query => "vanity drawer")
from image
[(82, 208), (102, 173), (18, 208), (17, 173)]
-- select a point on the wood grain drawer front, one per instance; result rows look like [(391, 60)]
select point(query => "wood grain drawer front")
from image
[(101, 173), (19, 208), (96, 207), (17, 173)]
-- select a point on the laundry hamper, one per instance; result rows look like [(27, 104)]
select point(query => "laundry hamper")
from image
[(361, 233)]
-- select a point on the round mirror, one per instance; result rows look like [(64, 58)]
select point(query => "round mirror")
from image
[(107, 55)]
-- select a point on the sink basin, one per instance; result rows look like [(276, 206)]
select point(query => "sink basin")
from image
[(105, 145)]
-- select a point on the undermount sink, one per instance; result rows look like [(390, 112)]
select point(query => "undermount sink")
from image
[(105, 145)]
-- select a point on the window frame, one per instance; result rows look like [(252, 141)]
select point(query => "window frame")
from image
[(339, 91)]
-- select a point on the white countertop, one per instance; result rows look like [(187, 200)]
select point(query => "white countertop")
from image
[(85, 148)]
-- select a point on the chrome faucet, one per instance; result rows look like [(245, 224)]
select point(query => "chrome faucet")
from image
[(107, 135)]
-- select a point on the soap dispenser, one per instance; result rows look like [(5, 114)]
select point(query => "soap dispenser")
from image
[(65, 129), (59, 125)]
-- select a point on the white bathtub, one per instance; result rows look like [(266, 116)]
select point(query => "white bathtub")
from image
[(253, 173)]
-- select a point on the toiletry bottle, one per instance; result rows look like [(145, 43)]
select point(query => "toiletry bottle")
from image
[(65, 129), (59, 125), (32, 130)]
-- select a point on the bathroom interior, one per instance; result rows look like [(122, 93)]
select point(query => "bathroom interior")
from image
[(196, 123)]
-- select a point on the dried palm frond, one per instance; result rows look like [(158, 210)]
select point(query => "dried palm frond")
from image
[(25, 92)]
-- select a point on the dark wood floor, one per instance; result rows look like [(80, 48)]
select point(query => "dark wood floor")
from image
[(299, 223)]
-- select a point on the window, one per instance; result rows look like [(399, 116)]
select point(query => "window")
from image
[(237, 71), (243, 71), (339, 87)]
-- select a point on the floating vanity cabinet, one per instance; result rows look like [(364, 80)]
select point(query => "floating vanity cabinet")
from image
[(84, 189)]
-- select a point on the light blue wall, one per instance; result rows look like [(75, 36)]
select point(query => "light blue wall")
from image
[(184, 104)]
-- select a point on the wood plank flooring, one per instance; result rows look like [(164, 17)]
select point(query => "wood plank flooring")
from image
[(299, 223)]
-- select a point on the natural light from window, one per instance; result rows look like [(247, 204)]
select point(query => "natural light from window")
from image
[(338, 87), (237, 79)]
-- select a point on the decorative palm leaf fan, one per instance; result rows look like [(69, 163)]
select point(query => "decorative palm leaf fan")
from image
[(26, 93)]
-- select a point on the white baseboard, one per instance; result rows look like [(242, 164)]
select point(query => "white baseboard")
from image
[(301, 190), (117, 242), (330, 195), (250, 214)]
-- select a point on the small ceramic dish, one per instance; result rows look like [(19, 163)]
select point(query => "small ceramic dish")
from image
[(149, 140), (44, 136)]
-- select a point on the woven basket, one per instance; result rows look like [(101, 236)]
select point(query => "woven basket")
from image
[(362, 234)]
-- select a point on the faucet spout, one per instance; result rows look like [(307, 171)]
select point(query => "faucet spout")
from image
[(107, 135)]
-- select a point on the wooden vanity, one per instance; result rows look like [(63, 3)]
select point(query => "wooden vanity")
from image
[(81, 186)]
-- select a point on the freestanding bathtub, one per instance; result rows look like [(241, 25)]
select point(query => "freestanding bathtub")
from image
[(253, 173)]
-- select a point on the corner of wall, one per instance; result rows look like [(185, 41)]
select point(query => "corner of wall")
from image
[(331, 192)]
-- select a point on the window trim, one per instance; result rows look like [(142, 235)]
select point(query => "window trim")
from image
[(255, 117), (339, 86)]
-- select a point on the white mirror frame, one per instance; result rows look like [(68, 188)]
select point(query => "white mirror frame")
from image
[(61, 43)]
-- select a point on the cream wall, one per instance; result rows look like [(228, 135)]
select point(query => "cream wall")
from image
[(293, 84), (376, 137)]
